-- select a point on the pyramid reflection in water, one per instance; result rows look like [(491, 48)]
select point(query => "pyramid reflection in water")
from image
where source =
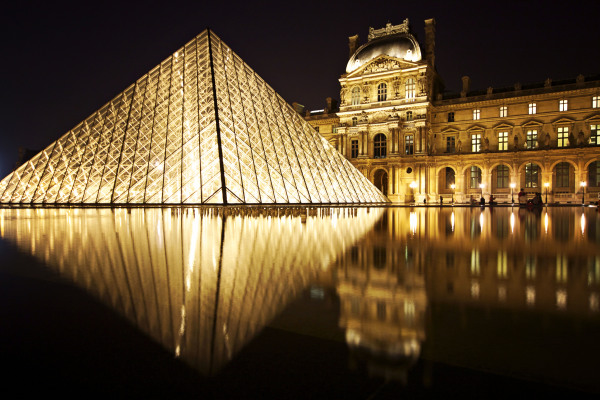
[(200, 128), (200, 284)]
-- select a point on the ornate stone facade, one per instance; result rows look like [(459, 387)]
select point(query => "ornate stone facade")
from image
[(419, 144)]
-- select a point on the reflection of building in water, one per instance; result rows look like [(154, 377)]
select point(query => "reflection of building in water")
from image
[(199, 283), (383, 304)]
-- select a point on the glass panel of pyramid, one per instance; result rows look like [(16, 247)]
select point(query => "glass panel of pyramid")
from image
[(200, 128)]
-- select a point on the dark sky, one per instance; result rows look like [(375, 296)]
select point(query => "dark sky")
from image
[(62, 61)]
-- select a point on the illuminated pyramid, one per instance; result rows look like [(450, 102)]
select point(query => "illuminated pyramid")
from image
[(200, 128)]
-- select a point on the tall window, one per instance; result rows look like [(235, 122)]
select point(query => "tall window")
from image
[(354, 148), (595, 101), (563, 136), (450, 177), (502, 176), (380, 146), (502, 141), (532, 108), (476, 143), (595, 135), (409, 116), (476, 114), (450, 117), (354, 121), (562, 175), (355, 96), (503, 111), (475, 177), (450, 144), (594, 174), (382, 92), (410, 88), (409, 144), (563, 105), (531, 175), (531, 139)]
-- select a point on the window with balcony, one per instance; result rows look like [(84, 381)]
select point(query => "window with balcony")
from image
[(563, 136), (355, 97), (382, 92), (476, 143), (562, 175), (503, 111), (476, 114), (502, 176), (409, 116), (563, 105), (354, 148), (502, 141), (410, 88), (531, 175), (450, 144), (450, 117), (380, 146), (531, 138), (532, 108), (595, 135), (409, 144)]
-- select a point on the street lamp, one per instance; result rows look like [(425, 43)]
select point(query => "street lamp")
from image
[(547, 184), (453, 186), (512, 186), (583, 185), (481, 186)]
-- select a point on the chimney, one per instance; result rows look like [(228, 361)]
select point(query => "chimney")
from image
[(353, 44), (466, 81), (298, 107), (430, 41), (331, 105)]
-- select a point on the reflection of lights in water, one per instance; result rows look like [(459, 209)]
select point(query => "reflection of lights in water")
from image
[(481, 221), (582, 223), (475, 289), (452, 220), (502, 293), (413, 222), (530, 295), (561, 299), (594, 302), (512, 222), (546, 222)]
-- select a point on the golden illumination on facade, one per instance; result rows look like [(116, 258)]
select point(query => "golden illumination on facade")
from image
[(200, 128)]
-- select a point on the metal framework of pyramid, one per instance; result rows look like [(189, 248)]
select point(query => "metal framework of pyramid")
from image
[(200, 128)]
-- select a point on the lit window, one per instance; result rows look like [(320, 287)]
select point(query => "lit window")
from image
[(354, 149), (380, 146), (563, 105), (450, 144), (531, 139), (410, 88), (382, 92), (409, 144), (450, 117), (563, 136), (595, 101), (502, 141), (531, 175), (355, 96), (409, 116), (532, 108), (562, 175), (476, 143), (503, 111), (475, 177), (476, 114), (502, 176), (450, 177), (595, 135)]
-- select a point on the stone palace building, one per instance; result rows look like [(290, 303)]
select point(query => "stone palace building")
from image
[(419, 144)]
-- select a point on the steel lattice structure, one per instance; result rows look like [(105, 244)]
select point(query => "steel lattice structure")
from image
[(200, 128)]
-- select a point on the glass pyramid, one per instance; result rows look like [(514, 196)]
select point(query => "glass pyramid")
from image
[(200, 128)]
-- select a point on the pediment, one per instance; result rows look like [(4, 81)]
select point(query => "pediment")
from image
[(593, 118), (502, 125), (476, 128), (381, 64), (450, 131), (532, 123), (563, 120)]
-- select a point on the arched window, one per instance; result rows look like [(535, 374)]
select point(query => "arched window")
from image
[(502, 176), (355, 99), (531, 175), (382, 92), (410, 88), (594, 174), (562, 175), (380, 146), (475, 180), (450, 177)]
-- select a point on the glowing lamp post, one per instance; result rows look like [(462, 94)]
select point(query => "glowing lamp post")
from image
[(546, 185), (583, 185), (481, 186), (453, 186), (512, 187)]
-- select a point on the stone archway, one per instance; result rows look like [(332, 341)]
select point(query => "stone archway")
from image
[(380, 179)]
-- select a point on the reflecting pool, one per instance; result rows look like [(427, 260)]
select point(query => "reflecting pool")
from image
[(302, 302)]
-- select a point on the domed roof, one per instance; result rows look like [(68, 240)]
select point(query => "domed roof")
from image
[(401, 45)]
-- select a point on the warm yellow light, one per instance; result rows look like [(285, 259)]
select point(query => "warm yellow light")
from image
[(513, 185), (583, 184), (547, 184), (452, 186), (413, 184), (481, 185)]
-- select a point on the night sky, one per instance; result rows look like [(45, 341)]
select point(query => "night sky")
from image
[(62, 61)]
